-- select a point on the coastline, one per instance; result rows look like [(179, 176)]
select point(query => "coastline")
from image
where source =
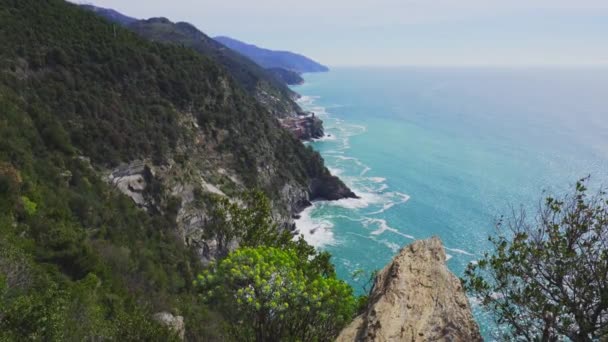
[(373, 195)]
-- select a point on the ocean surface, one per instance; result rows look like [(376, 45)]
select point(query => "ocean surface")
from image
[(447, 151)]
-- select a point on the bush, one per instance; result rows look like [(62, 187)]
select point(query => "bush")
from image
[(274, 294)]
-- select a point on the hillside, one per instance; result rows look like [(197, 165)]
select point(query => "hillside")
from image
[(113, 149), (110, 14), (287, 76), (273, 59), (271, 92)]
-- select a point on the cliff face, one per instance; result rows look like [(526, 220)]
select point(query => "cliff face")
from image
[(416, 298)]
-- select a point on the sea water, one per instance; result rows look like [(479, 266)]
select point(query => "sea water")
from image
[(446, 152)]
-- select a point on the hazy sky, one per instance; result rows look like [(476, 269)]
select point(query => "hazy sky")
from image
[(402, 32)]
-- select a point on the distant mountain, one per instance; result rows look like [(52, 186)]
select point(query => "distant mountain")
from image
[(287, 76), (110, 14), (273, 59)]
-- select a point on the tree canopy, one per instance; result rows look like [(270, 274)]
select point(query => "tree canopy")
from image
[(547, 279), (273, 294)]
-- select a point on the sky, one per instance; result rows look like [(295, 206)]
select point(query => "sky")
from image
[(402, 32)]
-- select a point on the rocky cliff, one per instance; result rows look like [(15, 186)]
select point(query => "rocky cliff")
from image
[(415, 298)]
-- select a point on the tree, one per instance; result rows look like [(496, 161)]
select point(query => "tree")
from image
[(548, 278), (272, 294), (248, 221)]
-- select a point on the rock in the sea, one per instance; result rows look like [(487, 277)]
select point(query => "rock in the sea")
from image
[(329, 188), (416, 298), (175, 323)]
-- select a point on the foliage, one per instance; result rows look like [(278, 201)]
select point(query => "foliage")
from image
[(79, 261), (248, 221), (271, 294), (548, 279)]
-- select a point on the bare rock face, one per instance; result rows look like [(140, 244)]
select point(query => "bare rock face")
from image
[(416, 298), (131, 180), (175, 323)]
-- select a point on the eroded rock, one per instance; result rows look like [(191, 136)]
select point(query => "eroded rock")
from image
[(416, 298)]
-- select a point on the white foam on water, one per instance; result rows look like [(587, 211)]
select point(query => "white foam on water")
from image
[(383, 227), (459, 251), (391, 202), (377, 179), (448, 257), (317, 232), (382, 188), (326, 137), (365, 200), (385, 207), (391, 245), (335, 171)]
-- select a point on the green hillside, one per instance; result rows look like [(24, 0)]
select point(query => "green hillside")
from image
[(78, 97)]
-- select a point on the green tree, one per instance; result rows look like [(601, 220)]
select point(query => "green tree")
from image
[(272, 294), (547, 279)]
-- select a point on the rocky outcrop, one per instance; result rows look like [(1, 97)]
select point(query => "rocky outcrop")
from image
[(304, 127), (132, 179), (329, 188), (415, 298), (174, 323)]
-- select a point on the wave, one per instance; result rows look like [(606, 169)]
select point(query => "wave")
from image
[(317, 232), (459, 251), (326, 137), (383, 227), (394, 247)]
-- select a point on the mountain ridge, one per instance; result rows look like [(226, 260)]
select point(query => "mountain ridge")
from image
[(269, 90), (273, 58)]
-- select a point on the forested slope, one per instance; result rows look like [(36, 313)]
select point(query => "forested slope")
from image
[(78, 98)]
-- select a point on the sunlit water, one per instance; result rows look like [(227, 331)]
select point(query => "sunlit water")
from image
[(446, 152)]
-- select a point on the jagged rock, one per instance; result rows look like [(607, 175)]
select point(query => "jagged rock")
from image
[(131, 179), (175, 323), (330, 188), (416, 298)]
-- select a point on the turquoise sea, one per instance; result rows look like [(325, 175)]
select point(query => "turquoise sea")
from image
[(446, 151)]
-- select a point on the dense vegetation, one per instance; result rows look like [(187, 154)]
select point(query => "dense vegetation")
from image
[(78, 260), (547, 279), (273, 288), (257, 82), (116, 97), (278, 294)]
